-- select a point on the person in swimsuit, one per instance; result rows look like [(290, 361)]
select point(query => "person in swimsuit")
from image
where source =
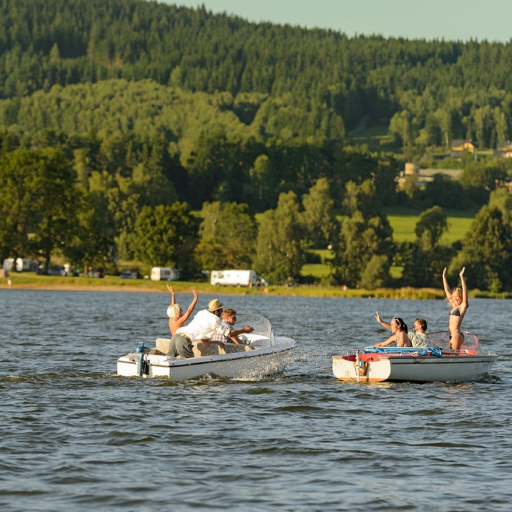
[(399, 329), (175, 313), (458, 299)]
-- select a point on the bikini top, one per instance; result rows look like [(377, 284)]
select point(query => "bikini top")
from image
[(455, 313)]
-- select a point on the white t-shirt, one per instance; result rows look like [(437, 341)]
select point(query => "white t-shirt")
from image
[(202, 326)]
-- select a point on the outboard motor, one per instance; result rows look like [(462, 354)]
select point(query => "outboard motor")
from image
[(140, 360)]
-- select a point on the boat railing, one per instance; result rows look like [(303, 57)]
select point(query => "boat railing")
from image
[(441, 339)]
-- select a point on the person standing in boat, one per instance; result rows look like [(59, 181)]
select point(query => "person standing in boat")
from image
[(175, 313), (418, 338), (202, 327), (399, 329), (458, 299), (228, 322)]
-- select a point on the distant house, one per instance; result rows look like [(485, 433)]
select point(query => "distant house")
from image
[(503, 150), (413, 174), (460, 146)]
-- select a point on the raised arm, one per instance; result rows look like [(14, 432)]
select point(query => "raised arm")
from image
[(465, 303), (381, 322), (445, 284), (173, 300), (191, 307)]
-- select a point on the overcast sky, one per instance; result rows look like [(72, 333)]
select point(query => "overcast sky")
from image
[(412, 19)]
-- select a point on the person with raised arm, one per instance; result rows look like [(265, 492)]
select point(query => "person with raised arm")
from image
[(175, 313), (458, 299), (399, 329), (418, 338)]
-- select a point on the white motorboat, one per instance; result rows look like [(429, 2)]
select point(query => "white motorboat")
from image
[(263, 354), (435, 363)]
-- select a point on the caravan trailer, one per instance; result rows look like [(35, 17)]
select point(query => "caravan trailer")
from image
[(22, 265), (235, 278), (164, 274)]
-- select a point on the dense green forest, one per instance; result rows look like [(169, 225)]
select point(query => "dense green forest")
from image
[(119, 119)]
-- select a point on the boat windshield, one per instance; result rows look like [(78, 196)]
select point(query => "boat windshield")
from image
[(442, 340), (261, 325)]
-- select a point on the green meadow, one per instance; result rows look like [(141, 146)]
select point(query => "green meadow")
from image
[(403, 221)]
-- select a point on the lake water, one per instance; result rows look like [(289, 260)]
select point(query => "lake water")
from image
[(74, 436)]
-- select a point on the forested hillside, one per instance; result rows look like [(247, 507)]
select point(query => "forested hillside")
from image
[(435, 90), (149, 111)]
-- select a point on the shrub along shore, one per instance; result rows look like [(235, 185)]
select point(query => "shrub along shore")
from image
[(116, 284)]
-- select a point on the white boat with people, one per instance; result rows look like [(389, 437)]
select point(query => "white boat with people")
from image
[(436, 362), (263, 354)]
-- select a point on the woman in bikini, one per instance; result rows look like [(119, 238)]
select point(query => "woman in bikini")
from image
[(175, 313), (458, 299)]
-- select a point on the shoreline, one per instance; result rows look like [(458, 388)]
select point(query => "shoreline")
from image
[(116, 284)]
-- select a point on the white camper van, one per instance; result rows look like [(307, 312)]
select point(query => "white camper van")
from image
[(22, 265), (164, 274), (235, 278)]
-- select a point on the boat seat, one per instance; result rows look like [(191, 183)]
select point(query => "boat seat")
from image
[(233, 347), (162, 344), (202, 349)]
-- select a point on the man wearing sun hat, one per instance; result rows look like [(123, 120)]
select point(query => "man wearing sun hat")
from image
[(204, 324)]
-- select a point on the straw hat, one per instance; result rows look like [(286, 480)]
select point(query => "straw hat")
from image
[(214, 305)]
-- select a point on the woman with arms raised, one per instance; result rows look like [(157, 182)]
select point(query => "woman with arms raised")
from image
[(175, 313), (458, 299)]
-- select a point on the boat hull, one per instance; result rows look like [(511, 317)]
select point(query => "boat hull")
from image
[(452, 368), (249, 365)]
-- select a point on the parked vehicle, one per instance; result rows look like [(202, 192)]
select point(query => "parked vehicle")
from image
[(54, 270), (22, 265), (164, 274), (131, 274), (235, 278)]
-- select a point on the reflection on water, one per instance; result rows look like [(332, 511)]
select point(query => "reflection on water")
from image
[(75, 436)]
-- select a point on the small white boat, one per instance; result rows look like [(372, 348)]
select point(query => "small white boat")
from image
[(264, 354), (435, 363)]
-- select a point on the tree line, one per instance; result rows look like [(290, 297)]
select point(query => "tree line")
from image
[(48, 211), (429, 92)]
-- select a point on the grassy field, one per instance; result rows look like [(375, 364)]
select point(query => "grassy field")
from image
[(377, 138), (403, 221)]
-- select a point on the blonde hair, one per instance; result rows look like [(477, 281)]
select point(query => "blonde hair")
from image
[(456, 294), (173, 312)]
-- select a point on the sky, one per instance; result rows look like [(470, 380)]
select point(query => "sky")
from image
[(451, 20)]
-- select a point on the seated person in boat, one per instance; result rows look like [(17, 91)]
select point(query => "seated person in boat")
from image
[(203, 326), (399, 329), (418, 338), (228, 322), (175, 313)]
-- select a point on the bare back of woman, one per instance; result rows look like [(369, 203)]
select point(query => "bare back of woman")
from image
[(175, 313)]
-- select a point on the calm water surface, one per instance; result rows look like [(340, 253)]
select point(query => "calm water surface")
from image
[(74, 436)]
